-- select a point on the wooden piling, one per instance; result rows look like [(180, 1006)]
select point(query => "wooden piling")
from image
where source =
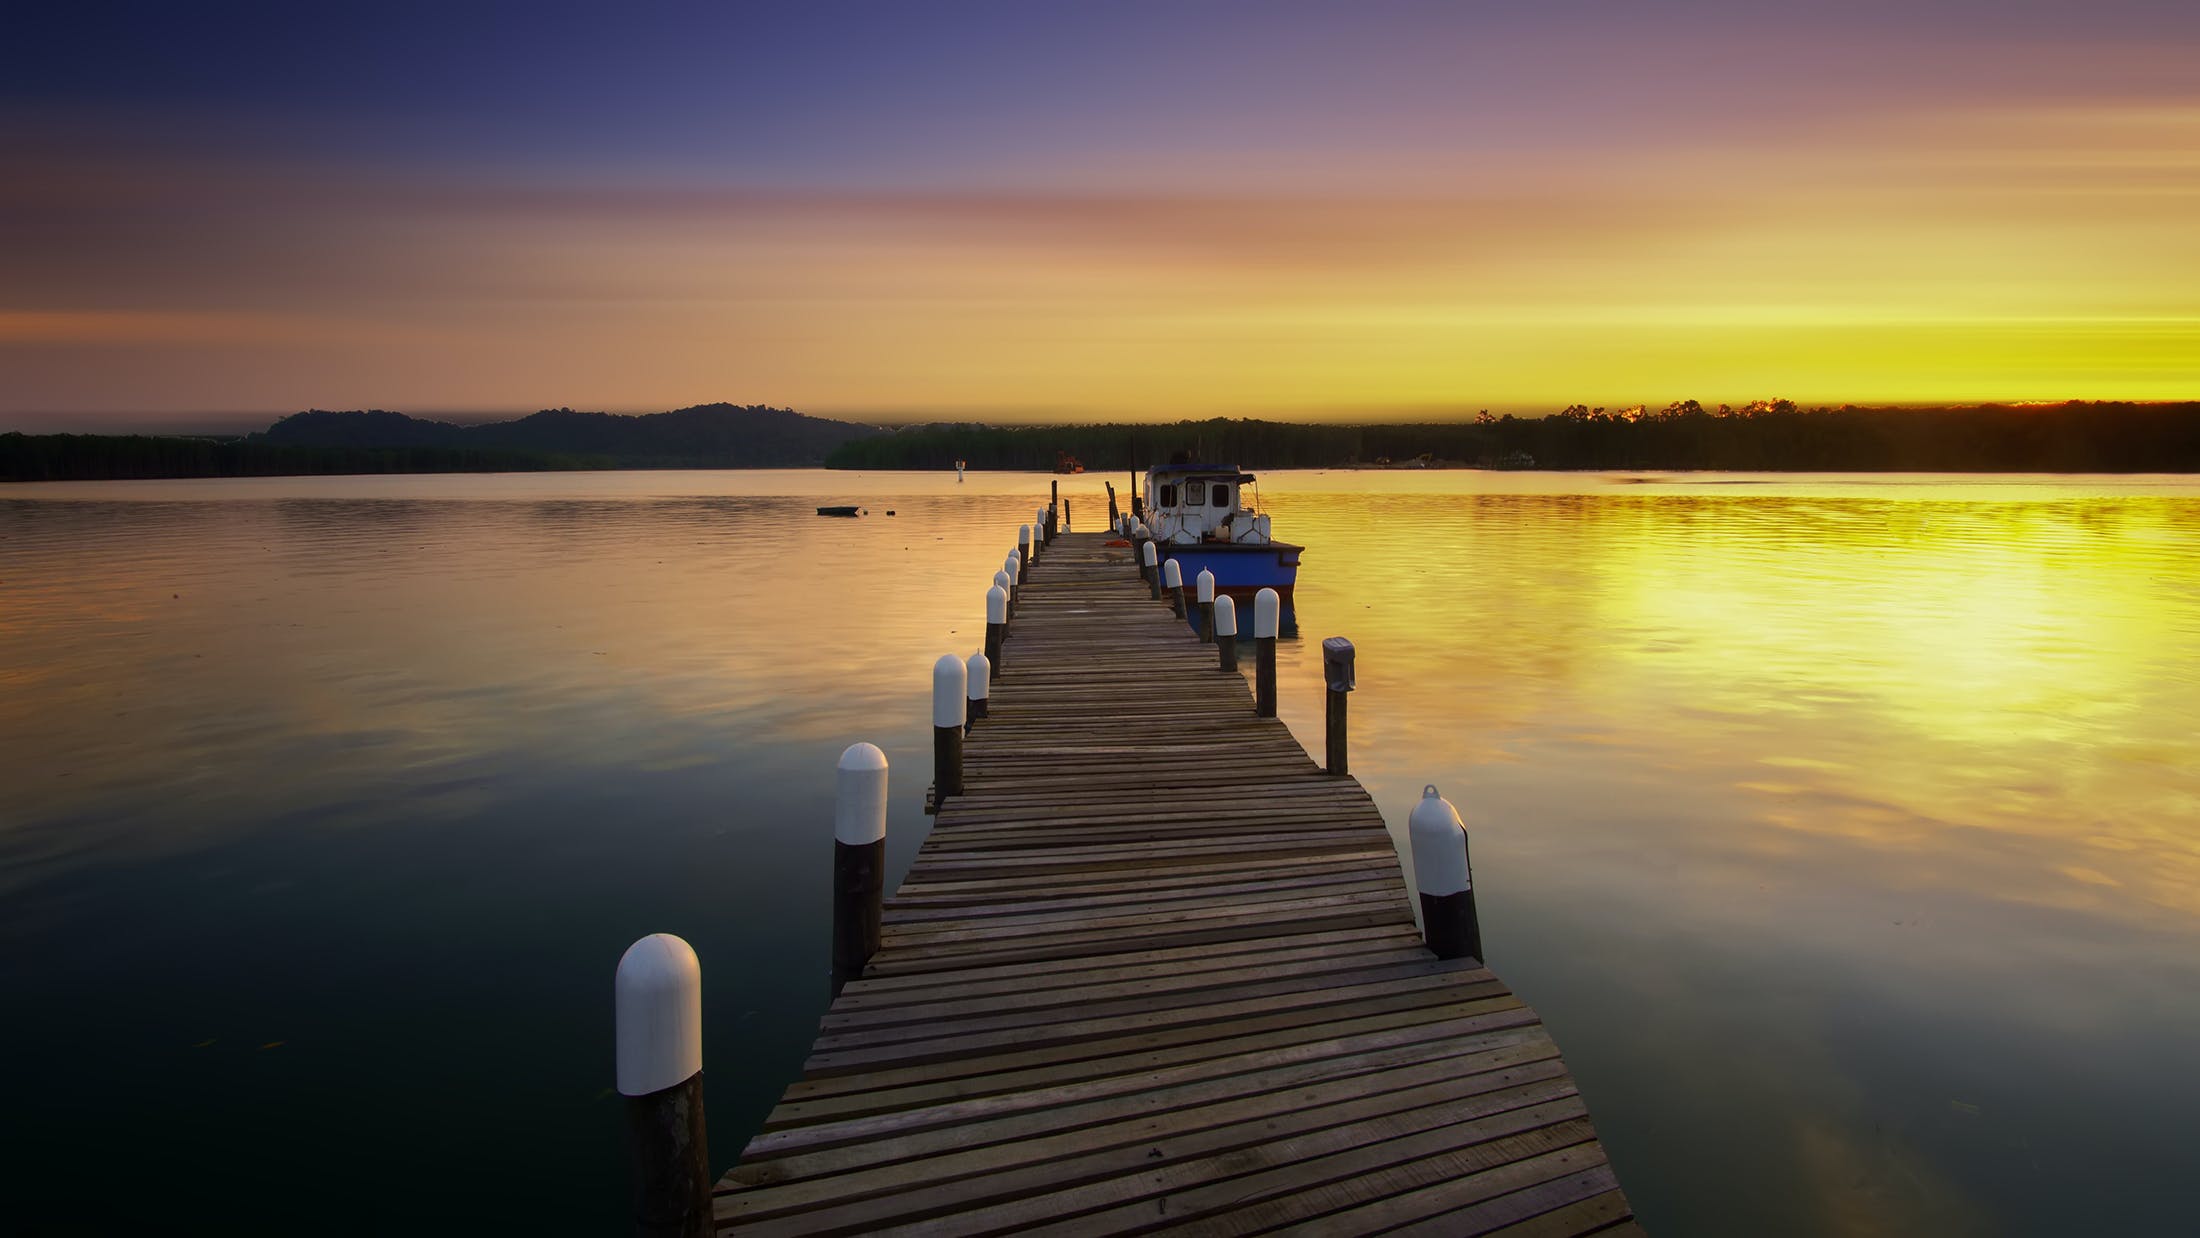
[(1267, 613), (658, 1001), (859, 859)]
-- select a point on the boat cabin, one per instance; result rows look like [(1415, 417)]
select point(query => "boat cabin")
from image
[(1191, 503)]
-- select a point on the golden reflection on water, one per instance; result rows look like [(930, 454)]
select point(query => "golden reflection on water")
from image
[(1904, 668)]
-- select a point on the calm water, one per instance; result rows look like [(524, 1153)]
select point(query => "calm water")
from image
[(1846, 831)]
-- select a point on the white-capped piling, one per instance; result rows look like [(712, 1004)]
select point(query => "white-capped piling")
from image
[(1206, 589), (1054, 502), (1226, 631), (1149, 568), (657, 1001), (1039, 531), (1338, 676), (1444, 877), (948, 704), (1007, 585), (996, 620), (1023, 548), (1014, 566), (978, 686), (1267, 615), (859, 859), (1172, 580)]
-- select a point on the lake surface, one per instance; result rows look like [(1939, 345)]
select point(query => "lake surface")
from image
[(1845, 830)]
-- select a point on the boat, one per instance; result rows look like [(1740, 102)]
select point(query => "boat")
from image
[(839, 511), (1202, 516), (1067, 463)]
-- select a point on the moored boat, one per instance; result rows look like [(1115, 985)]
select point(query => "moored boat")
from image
[(839, 511), (1203, 516)]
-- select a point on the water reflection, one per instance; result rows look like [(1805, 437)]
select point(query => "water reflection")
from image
[(1843, 829)]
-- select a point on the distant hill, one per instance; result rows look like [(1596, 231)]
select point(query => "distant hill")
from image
[(705, 436)]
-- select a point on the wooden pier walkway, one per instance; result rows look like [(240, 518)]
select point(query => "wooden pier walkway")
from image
[(1156, 970)]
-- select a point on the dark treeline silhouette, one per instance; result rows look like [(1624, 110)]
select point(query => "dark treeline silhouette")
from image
[(705, 436), (375, 441), (1766, 435)]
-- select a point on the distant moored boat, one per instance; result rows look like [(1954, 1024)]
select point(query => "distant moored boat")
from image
[(839, 511)]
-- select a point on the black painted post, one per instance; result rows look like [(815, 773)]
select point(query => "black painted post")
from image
[(1338, 677), (1443, 876), (1226, 632), (978, 686), (1172, 581), (948, 705), (859, 859), (996, 622), (657, 997), (1267, 610), (1151, 568), (1206, 606), (1066, 525)]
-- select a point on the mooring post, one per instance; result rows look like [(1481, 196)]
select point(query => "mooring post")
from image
[(948, 704), (1007, 585), (978, 671), (1023, 547), (1444, 877), (1054, 503), (1039, 532), (1338, 675), (1267, 613), (1206, 606), (1066, 525), (1014, 566), (657, 998), (1152, 571), (996, 622), (1226, 631), (1115, 516), (1172, 580), (859, 859)]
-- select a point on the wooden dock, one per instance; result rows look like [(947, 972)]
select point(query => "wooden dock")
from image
[(1156, 970)]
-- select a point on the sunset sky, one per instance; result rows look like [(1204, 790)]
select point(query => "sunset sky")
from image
[(1070, 211)]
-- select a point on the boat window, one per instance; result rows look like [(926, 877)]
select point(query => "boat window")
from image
[(1194, 493), (1222, 495), (1168, 496)]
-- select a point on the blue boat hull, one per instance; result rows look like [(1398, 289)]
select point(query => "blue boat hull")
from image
[(1241, 571)]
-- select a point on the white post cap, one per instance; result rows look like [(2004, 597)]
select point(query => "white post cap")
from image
[(996, 601), (1140, 530), (859, 799), (1172, 575), (1023, 535), (1148, 553), (1206, 585), (1004, 580), (948, 675), (1267, 611), (658, 999), (1439, 840), (980, 671), (1011, 563), (1225, 616)]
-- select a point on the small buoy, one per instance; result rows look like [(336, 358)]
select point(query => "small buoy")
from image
[(889, 511)]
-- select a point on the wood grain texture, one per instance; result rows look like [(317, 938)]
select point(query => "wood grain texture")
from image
[(1154, 969)]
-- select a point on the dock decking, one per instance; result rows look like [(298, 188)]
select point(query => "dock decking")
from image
[(1156, 970)]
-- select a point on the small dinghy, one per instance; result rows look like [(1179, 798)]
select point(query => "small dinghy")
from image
[(839, 511)]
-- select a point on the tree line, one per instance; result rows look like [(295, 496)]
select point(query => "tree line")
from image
[(1774, 435)]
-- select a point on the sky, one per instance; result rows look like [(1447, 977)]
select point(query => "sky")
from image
[(1069, 211)]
